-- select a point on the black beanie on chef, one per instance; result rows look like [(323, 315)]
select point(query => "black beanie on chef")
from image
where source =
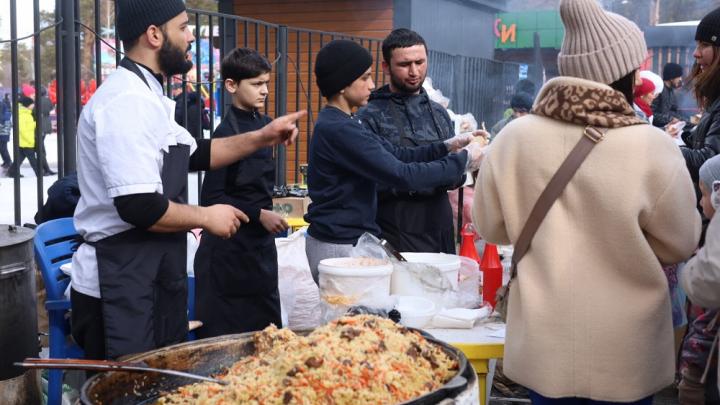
[(135, 16), (709, 28), (672, 71), (338, 64)]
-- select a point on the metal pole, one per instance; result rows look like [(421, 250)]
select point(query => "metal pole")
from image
[(59, 93), (198, 91), (281, 100), (39, 133), (69, 84), (98, 50), (297, 103), (15, 127), (117, 39)]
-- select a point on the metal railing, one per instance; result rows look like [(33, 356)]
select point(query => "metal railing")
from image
[(86, 51)]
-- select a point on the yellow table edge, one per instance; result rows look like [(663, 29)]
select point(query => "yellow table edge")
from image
[(479, 355)]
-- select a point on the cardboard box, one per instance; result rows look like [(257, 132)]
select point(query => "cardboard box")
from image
[(291, 207)]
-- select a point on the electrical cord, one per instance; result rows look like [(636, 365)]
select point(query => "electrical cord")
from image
[(7, 41)]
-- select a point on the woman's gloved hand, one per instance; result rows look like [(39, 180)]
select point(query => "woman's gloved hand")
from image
[(476, 153), (458, 142)]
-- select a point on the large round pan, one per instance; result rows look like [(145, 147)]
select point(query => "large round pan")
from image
[(212, 356)]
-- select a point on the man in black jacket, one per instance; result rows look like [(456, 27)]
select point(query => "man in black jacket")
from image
[(665, 106), (402, 113)]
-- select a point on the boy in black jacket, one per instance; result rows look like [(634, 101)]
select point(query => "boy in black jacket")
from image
[(236, 278)]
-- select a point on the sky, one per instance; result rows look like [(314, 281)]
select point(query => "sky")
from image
[(24, 16)]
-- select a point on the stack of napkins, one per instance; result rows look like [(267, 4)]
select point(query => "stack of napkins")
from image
[(458, 318)]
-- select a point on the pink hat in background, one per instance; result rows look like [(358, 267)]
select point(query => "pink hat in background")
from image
[(28, 90)]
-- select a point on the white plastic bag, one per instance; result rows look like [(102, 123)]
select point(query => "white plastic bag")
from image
[(469, 284), (299, 295)]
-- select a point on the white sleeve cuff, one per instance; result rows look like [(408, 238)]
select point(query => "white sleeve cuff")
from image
[(135, 189)]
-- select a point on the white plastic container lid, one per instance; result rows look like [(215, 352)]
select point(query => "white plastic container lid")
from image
[(355, 267), (442, 261)]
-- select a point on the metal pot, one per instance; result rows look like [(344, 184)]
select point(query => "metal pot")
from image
[(210, 356), (18, 316)]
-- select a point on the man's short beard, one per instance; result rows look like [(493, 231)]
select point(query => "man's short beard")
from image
[(172, 59), (403, 88)]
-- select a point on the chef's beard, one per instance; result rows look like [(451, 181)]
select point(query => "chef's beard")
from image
[(173, 60), (403, 88)]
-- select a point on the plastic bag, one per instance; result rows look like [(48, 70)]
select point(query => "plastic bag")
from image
[(468, 196), (299, 295), (341, 294), (434, 94), (465, 123), (469, 284)]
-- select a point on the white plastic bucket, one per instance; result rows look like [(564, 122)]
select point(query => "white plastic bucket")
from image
[(354, 280), (405, 283)]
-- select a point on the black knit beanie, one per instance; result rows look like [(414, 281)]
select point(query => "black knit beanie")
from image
[(338, 64), (522, 101), (135, 16), (672, 71), (709, 28)]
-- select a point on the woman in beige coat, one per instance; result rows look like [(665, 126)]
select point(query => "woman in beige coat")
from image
[(589, 313)]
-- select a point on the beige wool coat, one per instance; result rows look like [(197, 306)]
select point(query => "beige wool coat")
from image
[(589, 314)]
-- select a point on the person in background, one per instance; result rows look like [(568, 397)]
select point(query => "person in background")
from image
[(697, 384), (698, 274), (347, 162), (589, 314), (703, 141), (402, 113), (5, 128), (665, 106), (43, 106), (237, 278), (521, 104), (197, 117), (526, 86), (644, 96), (26, 129)]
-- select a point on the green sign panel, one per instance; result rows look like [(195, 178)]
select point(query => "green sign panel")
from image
[(515, 30)]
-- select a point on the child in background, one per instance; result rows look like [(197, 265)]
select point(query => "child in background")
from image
[(26, 129), (237, 278), (695, 355)]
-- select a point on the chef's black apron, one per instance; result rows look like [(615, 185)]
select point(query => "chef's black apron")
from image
[(236, 279), (143, 275)]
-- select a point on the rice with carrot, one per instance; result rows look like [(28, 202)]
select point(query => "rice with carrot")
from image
[(359, 359)]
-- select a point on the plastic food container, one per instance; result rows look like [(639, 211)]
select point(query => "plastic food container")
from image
[(406, 283), (416, 312), (354, 280)]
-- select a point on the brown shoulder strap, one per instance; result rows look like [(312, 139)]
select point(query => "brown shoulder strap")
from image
[(591, 136)]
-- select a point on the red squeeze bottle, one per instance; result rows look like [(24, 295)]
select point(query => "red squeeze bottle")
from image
[(467, 246), (492, 273)]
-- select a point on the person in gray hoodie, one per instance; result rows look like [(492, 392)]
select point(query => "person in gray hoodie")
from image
[(402, 113)]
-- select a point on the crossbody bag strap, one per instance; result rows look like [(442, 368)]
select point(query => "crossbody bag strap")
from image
[(591, 136)]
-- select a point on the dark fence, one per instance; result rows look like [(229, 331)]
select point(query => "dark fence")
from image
[(479, 86), (85, 48)]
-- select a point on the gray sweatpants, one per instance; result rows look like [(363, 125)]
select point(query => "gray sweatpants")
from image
[(317, 250)]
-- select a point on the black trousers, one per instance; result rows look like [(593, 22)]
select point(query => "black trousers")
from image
[(88, 329), (4, 153), (28, 153)]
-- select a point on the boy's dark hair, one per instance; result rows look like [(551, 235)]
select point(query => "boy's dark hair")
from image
[(25, 101), (400, 38), (243, 63), (525, 86)]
